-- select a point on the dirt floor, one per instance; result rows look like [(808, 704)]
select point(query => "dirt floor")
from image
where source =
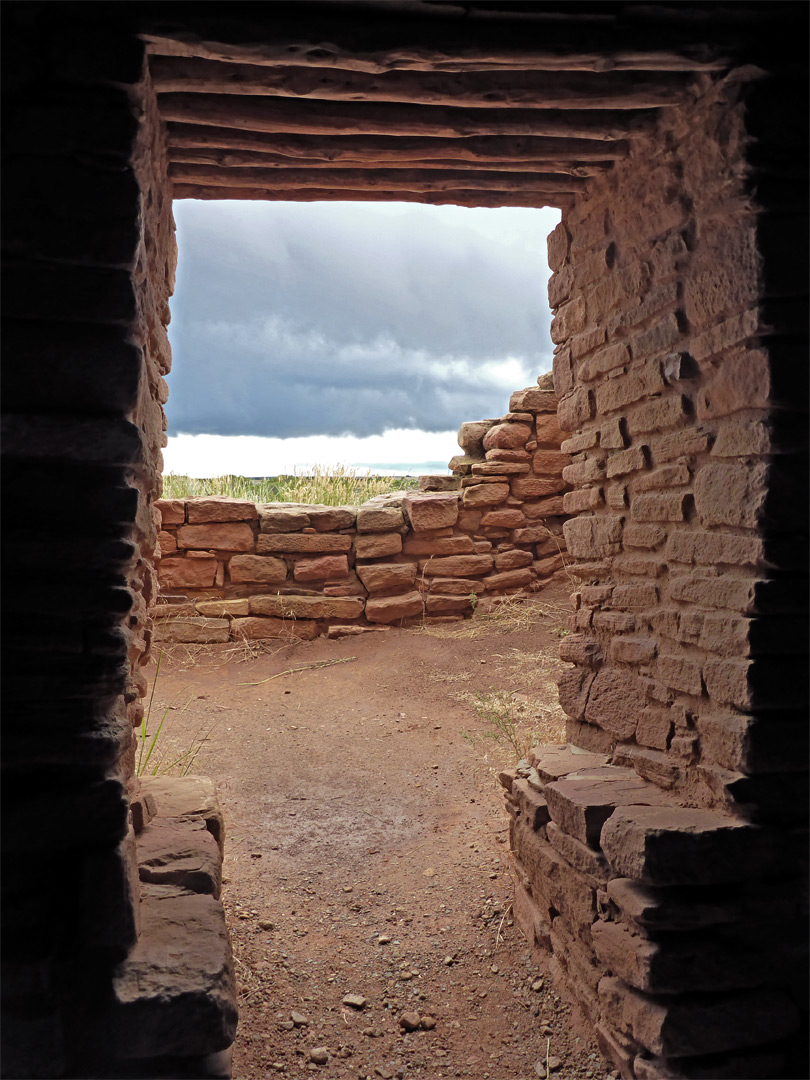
[(367, 842)]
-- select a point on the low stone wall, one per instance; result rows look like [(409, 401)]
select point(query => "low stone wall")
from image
[(232, 570), (655, 913)]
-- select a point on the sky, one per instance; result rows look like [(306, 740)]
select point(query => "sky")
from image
[(360, 334)]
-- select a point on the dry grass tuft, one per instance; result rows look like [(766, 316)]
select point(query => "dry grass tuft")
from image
[(505, 615)]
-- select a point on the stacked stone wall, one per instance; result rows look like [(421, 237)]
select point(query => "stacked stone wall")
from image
[(234, 570), (659, 856)]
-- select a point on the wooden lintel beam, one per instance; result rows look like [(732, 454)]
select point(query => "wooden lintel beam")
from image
[(300, 35), (524, 89), (373, 179), (385, 149), (236, 159), (436, 121), (438, 198)]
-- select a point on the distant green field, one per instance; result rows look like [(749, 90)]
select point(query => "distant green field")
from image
[(325, 485)]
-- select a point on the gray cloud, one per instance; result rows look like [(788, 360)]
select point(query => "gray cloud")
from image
[(294, 319)]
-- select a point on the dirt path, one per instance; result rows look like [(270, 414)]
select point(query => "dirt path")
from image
[(366, 849)]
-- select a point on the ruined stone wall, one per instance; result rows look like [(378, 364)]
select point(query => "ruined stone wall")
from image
[(660, 856), (234, 570)]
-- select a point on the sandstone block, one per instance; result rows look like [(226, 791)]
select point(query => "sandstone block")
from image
[(218, 508), (608, 358), (520, 456), (351, 630), (575, 502), (187, 573), (549, 462), (471, 437), (654, 728), (379, 519), (283, 519), (513, 560), (574, 409), (485, 495), (255, 629), (553, 880), (552, 762), (581, 803), (585, 440), (576, 854), (175, 993), (589, 537), (438, 483), (711, 548), (533, 400), (731, 493), (673, 845), (670, 908), (167, 542), (639, 597), (581, 649), (615, 701), (297, 543), (680, 1026), (388, 609), (530, 804), (258, 568), (307, 607), (221, 608), (501, 469), (679, 673), (180, 853), (548, 430), (381, 577), (198, 631), (627, 461), (546, 567), (457, 586), (172, 511), (643, 536), (187, 798), (735, 593), (510, 579), (503, 519), (574, 686), (535, 487), (431, 511), (660, 414), (377, 545), (332, 518), (459, 566), (669, 507), (441, 545), (553, 506), (507, 436), (633, 650), (558, 243), (237, 536), (324, 568), (436, 603)]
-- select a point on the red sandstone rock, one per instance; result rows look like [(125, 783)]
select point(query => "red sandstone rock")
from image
[(379, 519), (530, 804), (172, 511), (232, 537), (295, 543), (376, 545), (382, 577), (431, 511), (513, 560), (471, 437), (442, 545), (258, 568), (615, 702), (387, 609), (510, 579), (507, 436), (307, 607), (220, 508), (582, 802), (501, 468), (437, 603), (284, 519), (550, 462), (484, 494), (181, 853), (535, 487), (325, 568), (508, 455), (187, 798), (221, 608), (167, 542), (548, 431), (199, 631), (672, 845), (458, 566), (187, 573), (331, 518), (533, 399), (504, 519), (456, 586), (254, 629)]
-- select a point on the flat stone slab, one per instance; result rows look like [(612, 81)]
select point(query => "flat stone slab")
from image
[(673, 845), (187, 797), (669, 908), (552, 762), (176, 851), (582, 802), (175, 993)]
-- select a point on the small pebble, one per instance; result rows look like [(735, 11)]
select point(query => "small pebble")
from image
[(428, 1023), (265, 924), (537, 985), (319, 1055), (299, 1019), (383, 939), (356, 1001)]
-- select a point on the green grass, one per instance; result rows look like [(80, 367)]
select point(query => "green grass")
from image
[(329, 485)]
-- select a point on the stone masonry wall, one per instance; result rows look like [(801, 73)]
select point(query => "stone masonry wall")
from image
[(235, 570), (660, 856)]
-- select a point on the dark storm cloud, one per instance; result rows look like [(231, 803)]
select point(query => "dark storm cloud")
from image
[(295, 319)]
